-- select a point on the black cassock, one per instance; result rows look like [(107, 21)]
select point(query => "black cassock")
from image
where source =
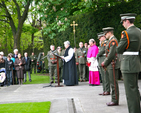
[(69, 70)]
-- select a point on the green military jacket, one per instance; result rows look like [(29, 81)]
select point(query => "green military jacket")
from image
[(51, 57), (42, 58), (130, 63), (63, 52), (60, 60), (81, 55), (111, 54), (101, 54), (33, 57), (75, 53)]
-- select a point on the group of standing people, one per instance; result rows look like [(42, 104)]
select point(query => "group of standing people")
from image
[(129, 49), (71, 59), (106, 58), (86, 62), (16, 67)]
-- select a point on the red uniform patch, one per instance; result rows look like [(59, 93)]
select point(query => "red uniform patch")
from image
[(113, 43), (122, 35)]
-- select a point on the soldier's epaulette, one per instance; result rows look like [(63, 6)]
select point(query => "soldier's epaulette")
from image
[(102, 44), (122, 35), (122, 31), (113, 41)]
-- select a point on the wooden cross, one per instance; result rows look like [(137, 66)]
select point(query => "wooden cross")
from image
[(74, 30)]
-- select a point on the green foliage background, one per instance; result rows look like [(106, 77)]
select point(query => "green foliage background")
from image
[(91, 23)]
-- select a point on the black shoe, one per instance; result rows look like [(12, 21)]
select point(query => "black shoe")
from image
[(51, 82), (24, 80), (95, 85), (30, 80)]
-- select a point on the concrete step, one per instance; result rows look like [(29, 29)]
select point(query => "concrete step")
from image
[(66, 105)]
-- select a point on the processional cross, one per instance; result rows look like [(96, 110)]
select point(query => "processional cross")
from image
[(74, 24)]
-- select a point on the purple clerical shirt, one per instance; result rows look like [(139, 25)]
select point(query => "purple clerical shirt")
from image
[(92, 51)]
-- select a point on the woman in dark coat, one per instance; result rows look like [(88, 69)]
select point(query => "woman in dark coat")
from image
[(19, 67)]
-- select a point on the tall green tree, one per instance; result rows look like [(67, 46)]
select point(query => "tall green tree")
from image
[(11, 9)]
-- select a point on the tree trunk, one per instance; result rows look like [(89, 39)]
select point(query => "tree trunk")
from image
[(32, 36), (17, 37), (21, 18)]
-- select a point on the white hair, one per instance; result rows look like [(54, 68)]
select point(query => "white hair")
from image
[(25, 53), (92, 40), (15, 50), (67, 43), (51, 46), (80, 42), (1, 53)]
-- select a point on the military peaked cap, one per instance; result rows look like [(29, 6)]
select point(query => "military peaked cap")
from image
[(100, 34), (107, 29), (127, 16)]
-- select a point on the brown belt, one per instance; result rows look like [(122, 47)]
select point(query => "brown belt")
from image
[(52, 58), (80, 56)]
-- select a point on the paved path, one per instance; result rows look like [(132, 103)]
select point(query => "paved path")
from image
[(86, 98)]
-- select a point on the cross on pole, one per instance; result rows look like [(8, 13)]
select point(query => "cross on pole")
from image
[(74, 31)]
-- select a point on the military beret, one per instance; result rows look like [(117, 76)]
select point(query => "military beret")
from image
[(100, 34), (107, 29), (127, 16)]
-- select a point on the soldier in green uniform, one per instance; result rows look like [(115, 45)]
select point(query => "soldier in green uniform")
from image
[(43, 62), (129, 46), (87, 68), (81, 59), (60, 53), (33, 62), (52, 63), (101, 56), (75, 51), (111, 63)]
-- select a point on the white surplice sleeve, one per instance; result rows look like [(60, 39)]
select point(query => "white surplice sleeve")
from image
[(70, 55)]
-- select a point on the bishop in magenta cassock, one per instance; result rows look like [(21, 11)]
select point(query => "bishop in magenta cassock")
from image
[(93, 68)]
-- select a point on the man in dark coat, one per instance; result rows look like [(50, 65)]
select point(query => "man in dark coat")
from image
[(27, 66), (69, 68)]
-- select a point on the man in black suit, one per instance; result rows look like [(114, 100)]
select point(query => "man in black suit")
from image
[(27, 66)]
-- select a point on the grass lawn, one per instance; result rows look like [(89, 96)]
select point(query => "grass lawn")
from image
[(31, 107), (38, 78)]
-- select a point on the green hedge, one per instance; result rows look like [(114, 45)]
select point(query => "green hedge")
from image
[(91, 23)]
